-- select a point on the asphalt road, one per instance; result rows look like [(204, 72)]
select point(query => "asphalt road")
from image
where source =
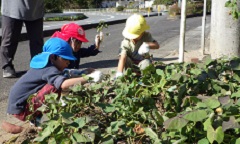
[(162, 29)]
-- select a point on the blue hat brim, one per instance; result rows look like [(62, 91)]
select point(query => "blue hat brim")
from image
[(40, 60), (68, 57)]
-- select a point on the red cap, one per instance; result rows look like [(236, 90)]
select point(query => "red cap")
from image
[(61, 35), (71, 30)]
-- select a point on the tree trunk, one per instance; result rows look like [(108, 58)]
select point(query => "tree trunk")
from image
[(225, 31)]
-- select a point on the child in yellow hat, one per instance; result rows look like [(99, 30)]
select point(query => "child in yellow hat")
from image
[(135, 46)]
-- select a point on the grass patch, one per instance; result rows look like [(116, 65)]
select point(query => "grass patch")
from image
[(66, 18)]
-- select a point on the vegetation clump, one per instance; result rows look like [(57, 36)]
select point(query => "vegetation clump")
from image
[(165, 103), (66, 18)]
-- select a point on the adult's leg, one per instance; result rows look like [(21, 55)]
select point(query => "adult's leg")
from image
[(35, 34), (11, 29)]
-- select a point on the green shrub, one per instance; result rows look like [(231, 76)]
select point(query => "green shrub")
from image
[(194, 8), (53, 6), (66, 18), (163, 2), (151, 9), (174, 10), (120, 8)]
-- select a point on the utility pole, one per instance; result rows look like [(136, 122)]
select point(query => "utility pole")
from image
[(225, 31), (203, 27), (182, 31)]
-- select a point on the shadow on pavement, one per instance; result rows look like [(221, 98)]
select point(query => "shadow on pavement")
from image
[(20, 73), (100, 64), (165, 59)]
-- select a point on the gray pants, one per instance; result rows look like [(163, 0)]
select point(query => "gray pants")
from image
[(11, 30), (142, 64)]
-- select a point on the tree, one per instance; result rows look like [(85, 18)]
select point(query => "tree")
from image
[(225, 30), (163, 2), (53, 6), (94, 3)]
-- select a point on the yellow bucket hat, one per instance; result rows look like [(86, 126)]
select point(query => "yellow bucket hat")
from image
[(135, 26)]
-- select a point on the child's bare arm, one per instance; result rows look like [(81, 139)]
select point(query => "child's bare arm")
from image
[(153, 45), (72, 81), (121, 63)]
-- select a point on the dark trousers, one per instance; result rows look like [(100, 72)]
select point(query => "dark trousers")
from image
[(11, 30), (37, 102)]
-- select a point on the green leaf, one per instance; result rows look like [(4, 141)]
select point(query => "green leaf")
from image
[(195, 116), (176, 77), (207, 60), (107, 140), (77, 88), (53, 125), (81, 122), (196, 71), (235, 141), (212, 102), (189, 100), (162, 82), (44, 134), (52, 141), (149, 132), (234, 64), (115, 125), (88, 134), (236, 77), (80, 138), (67, 121), (235, 14), (172, 88), (108, 108), (160, 72), (227, 4), (175, 123), (213, 135), (157, 117), (203, 141), (236, 94), (207, 123), (67, 115), (219, 135)]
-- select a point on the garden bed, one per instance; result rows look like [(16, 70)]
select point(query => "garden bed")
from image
[(166, 103)]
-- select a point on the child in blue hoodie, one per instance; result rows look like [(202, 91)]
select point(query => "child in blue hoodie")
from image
[(45, 76)]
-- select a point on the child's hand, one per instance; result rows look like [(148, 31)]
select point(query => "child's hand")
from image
[(96, 76), (97, 41), (119, 74), (101, 36), (144, 48)]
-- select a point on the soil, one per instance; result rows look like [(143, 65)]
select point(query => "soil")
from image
[(189, 56), (26, 136)]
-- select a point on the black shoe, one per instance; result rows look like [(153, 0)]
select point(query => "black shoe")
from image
[(9, 72)]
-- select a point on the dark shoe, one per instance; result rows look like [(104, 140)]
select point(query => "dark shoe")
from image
[(9, 72)]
